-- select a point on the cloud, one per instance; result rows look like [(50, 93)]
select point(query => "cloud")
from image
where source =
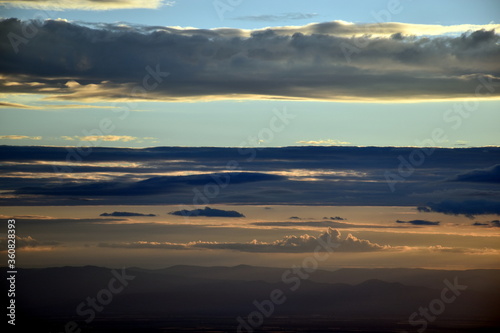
[(494, 223), (490, 175), (19, 137), (275, 18), (208, 212), (464, 250), (46, 221), (328, 142), (306, 175), (109, 138), (85, 4), (469, 208), (47, 107), (14, 105), (461, 143), (289, 244), (123, 214), (323, 224), (335, 218), (419, 222), (150, 186), (479, 224), (320, 61), (26, 243)]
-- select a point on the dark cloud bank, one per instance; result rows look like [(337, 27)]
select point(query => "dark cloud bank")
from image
[(265, 176)]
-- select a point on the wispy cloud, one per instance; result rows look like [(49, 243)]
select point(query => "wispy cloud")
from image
[(277, 17), (48, 107), (108, 138), (14, 105), (328, 142), (19, 137), (86, 4), (27, 243)]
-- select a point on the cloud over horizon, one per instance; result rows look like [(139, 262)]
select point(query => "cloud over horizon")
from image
[(27, 243), (419, 222), (288, 244)]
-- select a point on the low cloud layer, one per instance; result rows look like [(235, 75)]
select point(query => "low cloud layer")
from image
[(27, 242), (330, 240), (321, 61), (199, 177)]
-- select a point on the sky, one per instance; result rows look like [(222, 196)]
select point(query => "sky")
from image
[(342, 91), (153, 133)]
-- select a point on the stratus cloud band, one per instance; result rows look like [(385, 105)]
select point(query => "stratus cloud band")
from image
[(334, 61)]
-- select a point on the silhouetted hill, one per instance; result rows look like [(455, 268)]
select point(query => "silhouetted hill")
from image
[(478, 279), (229, 292)]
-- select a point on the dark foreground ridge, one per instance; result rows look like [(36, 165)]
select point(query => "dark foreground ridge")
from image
[(210, 299)]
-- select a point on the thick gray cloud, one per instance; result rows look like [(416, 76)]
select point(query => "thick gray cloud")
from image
[(326, 241), (320, 61)]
